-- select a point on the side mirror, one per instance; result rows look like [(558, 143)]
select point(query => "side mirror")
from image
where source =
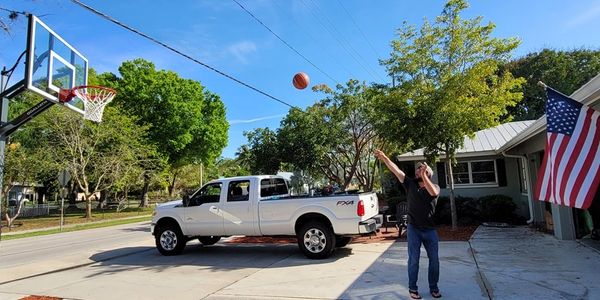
[(186, 200)]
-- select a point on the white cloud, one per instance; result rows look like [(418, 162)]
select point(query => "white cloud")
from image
[(587, 15), (233, 122), (241, 50)]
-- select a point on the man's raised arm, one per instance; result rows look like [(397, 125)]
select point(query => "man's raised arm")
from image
[(390, 165)]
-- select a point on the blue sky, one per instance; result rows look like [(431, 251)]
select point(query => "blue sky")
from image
[(330, 33)]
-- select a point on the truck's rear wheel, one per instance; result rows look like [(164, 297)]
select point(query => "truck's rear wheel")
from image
[(316, 240), (169, 239), (209, 240), (341, 241)]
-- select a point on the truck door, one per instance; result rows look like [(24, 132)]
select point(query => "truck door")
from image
[(239, 217), (202, 216)]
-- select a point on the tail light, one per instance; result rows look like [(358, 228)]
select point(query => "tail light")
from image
[(360, 210)]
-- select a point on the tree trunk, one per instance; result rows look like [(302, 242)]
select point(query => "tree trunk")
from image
[(452, 200), (88, 207), (9, 220), (144, 195), (172, 185)]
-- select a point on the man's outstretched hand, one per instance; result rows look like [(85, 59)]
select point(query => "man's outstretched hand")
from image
[(379, 154)]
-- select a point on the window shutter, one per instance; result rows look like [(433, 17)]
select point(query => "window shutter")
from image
[(501, 171), (441, 174)]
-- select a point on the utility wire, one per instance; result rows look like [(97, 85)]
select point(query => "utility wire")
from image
[(113, 20), (335, 36), (326, 49), (347, 42), (359, 30), (14, 12), (283, 41)]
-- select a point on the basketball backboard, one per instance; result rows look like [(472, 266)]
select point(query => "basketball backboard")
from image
[(53, 64)]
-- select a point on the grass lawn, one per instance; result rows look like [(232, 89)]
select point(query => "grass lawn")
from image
[(76, 216), (77, 227)]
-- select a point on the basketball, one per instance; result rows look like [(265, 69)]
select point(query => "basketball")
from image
[(301, 80)]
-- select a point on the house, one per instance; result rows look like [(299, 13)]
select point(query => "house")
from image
[(567, 223), (482, 168), (505, 160)]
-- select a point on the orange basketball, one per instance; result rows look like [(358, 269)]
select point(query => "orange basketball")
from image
[(301, 80)]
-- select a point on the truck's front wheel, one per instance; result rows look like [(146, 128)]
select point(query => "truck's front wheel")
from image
[(316, 240), (169, 239)]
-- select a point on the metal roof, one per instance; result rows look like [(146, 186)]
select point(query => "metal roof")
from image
[(485, 142)]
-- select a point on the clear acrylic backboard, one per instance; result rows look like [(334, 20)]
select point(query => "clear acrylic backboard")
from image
[(53, 64)]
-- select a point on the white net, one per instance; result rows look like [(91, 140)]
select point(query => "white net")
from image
[(95, 99)]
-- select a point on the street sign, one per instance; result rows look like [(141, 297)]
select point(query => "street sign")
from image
[(64, 177)]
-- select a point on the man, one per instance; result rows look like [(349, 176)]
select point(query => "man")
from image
[(421, 195)]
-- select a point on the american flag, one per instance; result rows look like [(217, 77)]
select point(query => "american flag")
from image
[(569, 173)]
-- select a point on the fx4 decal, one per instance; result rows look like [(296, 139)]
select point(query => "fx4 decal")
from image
[(345, 203)]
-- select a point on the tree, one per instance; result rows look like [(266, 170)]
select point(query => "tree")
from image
[(263, 154), (335, 136), (186, 123), (448, 78), (226, 167), (98, 155), (565, 71), (27, 154)]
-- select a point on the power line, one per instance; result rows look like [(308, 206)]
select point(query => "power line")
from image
[(283, 41), (326, 49), (113, 20), (342, 36), (335, 36), (358, 27)]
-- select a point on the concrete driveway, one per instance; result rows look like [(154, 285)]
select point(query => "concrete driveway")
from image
[(503, 264)]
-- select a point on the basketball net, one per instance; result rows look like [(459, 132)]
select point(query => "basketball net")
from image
[(95, 99)]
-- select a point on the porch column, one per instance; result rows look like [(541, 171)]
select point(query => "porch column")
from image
[(562, 216)]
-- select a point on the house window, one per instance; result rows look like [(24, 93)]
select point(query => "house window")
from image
[(522, 176), (474, 173)]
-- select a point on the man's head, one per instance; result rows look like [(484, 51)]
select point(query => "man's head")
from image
[(421, 165)]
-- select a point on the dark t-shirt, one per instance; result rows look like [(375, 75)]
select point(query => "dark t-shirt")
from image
[(421, 205)]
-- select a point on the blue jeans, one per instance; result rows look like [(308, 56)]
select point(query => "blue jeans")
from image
[(429, 239)]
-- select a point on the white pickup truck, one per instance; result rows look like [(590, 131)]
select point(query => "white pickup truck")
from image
[(262, 206)]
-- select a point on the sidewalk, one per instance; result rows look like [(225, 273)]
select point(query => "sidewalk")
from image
[(520, 263), (5, 231)]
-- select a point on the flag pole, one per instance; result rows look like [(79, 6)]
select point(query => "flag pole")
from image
[(540, 83), (546, 88)]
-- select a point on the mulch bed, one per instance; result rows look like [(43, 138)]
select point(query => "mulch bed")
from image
[(445, 233)]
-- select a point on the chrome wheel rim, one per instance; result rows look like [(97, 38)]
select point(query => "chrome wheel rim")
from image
[(315, 240), (168, 240)]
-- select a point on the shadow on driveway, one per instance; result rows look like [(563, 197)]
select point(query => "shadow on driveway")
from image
[(215, 258)]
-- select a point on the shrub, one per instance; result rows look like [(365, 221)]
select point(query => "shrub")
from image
[(498, 208), (467, 209)]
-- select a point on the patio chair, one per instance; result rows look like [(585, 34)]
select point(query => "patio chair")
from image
[(401, 217)]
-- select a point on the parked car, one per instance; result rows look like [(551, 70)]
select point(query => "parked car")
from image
[(262, 206)]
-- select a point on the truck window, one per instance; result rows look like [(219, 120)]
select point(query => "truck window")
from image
[(273, 187), (238, 191), (208, 194)]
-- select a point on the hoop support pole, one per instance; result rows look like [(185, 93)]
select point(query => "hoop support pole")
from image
[(8, 128), (14, 90)]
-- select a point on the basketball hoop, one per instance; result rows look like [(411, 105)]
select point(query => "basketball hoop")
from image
[(94, 98)]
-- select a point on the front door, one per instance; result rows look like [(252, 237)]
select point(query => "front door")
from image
[(239, 217), (202, 214)]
